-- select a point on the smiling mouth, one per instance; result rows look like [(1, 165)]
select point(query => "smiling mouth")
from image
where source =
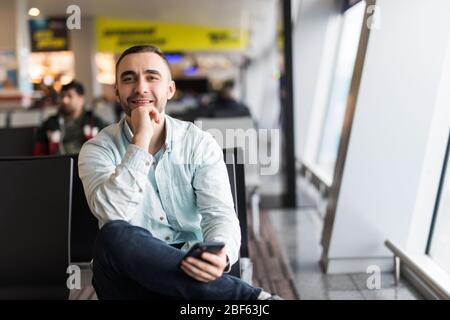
[(141, 102)]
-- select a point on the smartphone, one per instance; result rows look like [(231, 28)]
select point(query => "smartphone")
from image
[(210, 246)]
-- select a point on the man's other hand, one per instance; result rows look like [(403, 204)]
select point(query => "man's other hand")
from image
[(209, 268)]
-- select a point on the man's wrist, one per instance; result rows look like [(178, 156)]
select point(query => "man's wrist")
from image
[(141, 141)]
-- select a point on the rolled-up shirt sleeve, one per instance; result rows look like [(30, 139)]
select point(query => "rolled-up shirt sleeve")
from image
[(214, 199), (113, 192)]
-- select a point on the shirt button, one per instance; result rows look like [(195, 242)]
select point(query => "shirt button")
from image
[(167, 238), (147, 163), (161, 218)]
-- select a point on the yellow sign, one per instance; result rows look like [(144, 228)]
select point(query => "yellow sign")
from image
[(46, 39), (116, 35), (48, 35)]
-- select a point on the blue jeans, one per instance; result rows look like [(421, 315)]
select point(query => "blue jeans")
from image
[(129, 263)]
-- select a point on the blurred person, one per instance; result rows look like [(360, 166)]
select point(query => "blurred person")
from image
[(73, 125), (158, 185), (189, 98), (225, 105)]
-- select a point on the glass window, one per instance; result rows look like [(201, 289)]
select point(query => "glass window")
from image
[(340, 87), (439, 246)]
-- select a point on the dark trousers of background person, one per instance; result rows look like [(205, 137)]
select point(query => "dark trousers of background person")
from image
[(129, 263)]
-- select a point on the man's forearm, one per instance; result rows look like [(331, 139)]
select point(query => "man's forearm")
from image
[(115, 192)]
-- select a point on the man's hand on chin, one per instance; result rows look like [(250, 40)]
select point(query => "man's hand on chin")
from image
[(143, 118)]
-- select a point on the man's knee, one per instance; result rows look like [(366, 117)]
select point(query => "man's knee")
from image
[(109, 236), (116, 237), (112, 229), (114, 225)]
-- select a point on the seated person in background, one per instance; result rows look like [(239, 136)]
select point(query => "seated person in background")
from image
[(226, 105), (65, 132), (158, 185)]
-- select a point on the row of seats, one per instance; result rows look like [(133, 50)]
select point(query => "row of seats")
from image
[(25, 118), (243, 130), (19, 141), (47, 225)]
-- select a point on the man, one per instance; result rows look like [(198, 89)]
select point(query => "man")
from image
[(158, 185), (71, 127)]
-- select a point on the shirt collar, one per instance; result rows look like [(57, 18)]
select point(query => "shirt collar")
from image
[(169, 132)]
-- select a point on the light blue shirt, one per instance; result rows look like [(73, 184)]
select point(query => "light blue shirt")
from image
[(183, 195)]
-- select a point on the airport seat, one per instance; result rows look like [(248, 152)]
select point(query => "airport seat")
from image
[(106, 112), (3, 119), (176, 107), (31, 118), (47, 112), (35, 194), (240, 132), (84, 225), (17, 142), (243, 268)]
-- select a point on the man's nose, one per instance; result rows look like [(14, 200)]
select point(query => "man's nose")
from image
[(141, 87)]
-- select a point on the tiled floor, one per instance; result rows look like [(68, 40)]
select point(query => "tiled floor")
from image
[(270, 266), (299, 234)]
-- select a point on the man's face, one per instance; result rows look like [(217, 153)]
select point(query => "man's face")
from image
[(143, 79), (71, 101)]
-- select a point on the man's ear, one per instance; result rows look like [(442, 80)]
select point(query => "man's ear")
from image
[(171, 89)]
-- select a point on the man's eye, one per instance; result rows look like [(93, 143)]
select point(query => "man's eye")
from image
[(127, 79)]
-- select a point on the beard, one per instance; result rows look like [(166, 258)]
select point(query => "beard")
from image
[(66, 110)]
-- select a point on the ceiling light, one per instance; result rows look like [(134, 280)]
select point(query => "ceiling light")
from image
[(34, 12)]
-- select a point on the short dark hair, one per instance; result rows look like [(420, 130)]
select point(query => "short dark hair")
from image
[(77, 86), (143, 48), (228, 84)]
